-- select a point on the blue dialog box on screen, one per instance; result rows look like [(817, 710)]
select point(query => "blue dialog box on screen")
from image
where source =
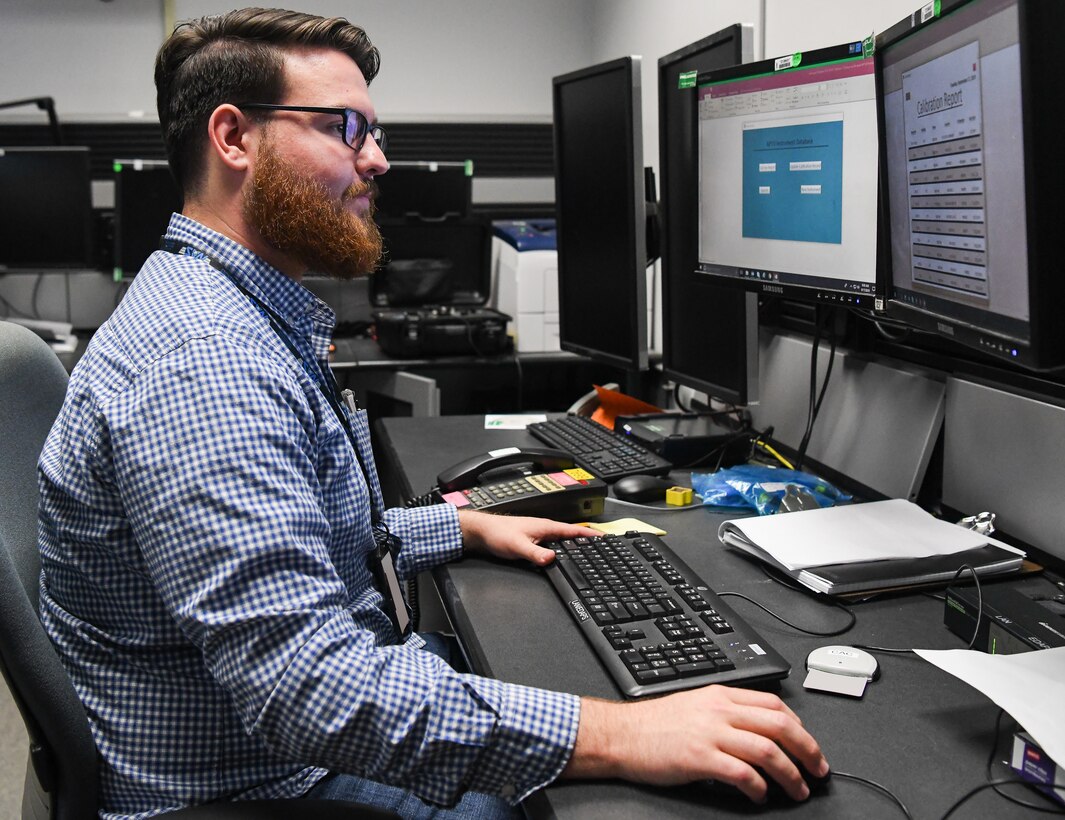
[(793, 182)]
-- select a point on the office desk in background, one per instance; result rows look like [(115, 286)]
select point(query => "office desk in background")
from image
[(447, 385), (918, 731)]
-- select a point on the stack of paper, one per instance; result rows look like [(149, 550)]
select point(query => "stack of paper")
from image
[(862, 547)]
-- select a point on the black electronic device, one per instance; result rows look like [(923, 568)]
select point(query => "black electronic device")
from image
[(788, 167), (146, 194), (521, 481), (603, 452), (687, 439), (641, 489), (430, 293), (709, 332), (431, 191), (1009, 621), (46, 208), (972, 175), (601, 213), (441, 330), (654, 624)]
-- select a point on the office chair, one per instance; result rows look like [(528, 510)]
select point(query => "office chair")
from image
[(61, 778)]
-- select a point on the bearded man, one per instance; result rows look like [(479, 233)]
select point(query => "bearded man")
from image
[(218, 568)]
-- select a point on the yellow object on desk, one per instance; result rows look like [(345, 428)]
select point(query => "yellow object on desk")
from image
[(679, 496), (624, 525)]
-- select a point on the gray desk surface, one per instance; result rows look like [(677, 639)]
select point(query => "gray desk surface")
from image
[(920, 732), (360, 351)]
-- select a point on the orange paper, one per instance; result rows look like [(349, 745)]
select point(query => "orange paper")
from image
[(613, 404)]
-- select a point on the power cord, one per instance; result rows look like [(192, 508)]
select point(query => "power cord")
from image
[(852, 618), (994, 784), (881, 788)]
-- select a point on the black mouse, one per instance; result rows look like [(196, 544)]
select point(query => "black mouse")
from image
[(642, 488), (775, 792)]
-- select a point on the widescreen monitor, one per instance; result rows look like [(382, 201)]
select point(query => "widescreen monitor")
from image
[(601, 213), (973, 175), (709, 333), (146, 195), (45, 208), (788, 175)]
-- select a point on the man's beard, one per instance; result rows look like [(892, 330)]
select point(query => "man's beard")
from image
[(298, 216)]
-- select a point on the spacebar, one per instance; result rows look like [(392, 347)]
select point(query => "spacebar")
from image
[(573, 573)]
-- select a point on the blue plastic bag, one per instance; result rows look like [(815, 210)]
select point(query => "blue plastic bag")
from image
[(761, 487)]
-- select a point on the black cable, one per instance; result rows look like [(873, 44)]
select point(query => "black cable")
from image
[(677, 401), (876, 786), (994, 784), (36, 292), (815, 407), (979, 599), (852, 618), (1031, 787), (521, 382)]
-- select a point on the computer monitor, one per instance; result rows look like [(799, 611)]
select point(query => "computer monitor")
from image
[(45, 208), (973, 176), (601, 213), (709, 333), (146, 194), (788, 175), (426, 190)]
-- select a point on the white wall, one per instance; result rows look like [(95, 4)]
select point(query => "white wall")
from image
[(449, 60), (803, 25)]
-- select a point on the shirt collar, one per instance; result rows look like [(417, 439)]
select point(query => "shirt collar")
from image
[(302, 310)]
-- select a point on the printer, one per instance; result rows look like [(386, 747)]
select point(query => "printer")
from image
[(525, 279)]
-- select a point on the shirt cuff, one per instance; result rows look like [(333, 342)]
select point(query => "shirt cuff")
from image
[(429, 536), (532, 743)]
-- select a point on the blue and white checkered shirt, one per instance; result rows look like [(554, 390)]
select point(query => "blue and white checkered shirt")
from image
[(204, 534)]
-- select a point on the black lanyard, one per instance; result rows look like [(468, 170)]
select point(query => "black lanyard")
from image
[(386, 545)]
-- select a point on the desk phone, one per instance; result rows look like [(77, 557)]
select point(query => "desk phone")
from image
[(521, 481)]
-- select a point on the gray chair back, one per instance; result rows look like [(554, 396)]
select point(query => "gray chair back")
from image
[(61, 778)]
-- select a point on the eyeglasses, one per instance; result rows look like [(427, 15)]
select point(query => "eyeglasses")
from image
[(355, 127)]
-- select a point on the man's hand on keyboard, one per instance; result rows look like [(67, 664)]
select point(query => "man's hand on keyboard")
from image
[(515, 537), (716, 732)]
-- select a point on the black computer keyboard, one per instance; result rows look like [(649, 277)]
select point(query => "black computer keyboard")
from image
[(655, 625), (607, 454)]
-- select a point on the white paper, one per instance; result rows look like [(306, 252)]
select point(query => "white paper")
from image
[(511, 422), (874, 531), (1028, 685)]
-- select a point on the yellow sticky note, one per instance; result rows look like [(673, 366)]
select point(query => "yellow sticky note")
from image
[(624, 525)]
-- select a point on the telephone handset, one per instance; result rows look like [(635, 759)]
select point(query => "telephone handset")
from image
[(521, 481)]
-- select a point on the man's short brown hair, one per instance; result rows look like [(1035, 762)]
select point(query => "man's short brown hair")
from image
[(237, 58)]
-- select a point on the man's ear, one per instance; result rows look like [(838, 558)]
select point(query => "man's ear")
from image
[(230, 137)]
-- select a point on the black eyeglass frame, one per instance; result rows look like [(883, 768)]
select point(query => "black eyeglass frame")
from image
[(353, 139)]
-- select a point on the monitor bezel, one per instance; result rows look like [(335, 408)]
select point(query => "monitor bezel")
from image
[(85, 260), (131, 166), (634, 279), (816, 293), (1045, 347), (678, 282)]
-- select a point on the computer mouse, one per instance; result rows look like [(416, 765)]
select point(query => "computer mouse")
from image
[(641, 488), (775, 792)]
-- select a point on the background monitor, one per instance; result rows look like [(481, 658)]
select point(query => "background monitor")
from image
[(425, 190), (601, 213), (788, 176), (45, 208), (973, 176), (146, 194), (710, 333)]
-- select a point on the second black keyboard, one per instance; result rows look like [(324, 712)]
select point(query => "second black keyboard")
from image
[(655, 625), (604, 453)]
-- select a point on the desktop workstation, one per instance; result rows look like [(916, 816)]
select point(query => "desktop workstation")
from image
[(676, 528), (914, 217)]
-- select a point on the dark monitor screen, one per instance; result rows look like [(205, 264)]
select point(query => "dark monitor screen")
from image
[(973, 176), (710, 333), (45, 208), (601, 213), (145, 197), (788, 160), (425, 190)]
